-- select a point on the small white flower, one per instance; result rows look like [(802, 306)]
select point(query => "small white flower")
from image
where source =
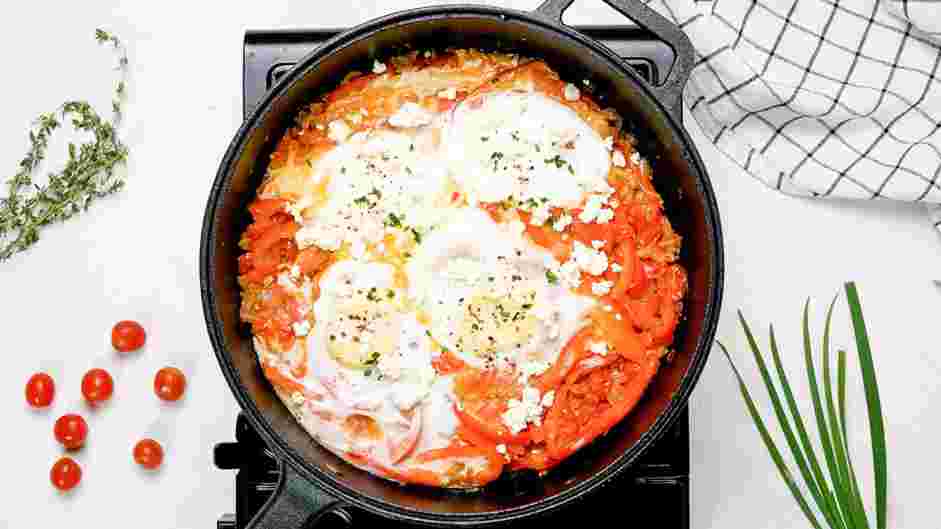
[(378, 67)]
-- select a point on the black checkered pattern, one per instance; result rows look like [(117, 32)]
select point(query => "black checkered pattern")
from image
[(823, 98)]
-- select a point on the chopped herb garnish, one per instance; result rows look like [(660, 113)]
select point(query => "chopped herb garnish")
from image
[(485, 138), (371, 295), (557, 161), (416, 234), (393, 220), (495, 158), (362, 201), (515, 136), (373, 359), (390, 294), (551, 277)]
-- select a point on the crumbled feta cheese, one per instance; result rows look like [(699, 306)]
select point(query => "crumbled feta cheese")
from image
[(501, 448), (532, 367), (338, 130), (635, 158), (520, 413), (608, 308), (562, 222), (569, 274), (301, 328), (609, 143), (571, 92), (604, 215), (548, 399), (294, 209), (618, 317), (599, 348), (378, 67), (589, 259), (594, 210), (617, 158), (410, 115), (597, 244), (600, 288), (297, 398), (540, 214), (616, 268), (448, 93)]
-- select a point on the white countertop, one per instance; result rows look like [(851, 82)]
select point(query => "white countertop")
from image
[(135, 256)]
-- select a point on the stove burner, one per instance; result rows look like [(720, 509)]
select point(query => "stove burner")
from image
[(657, 482)]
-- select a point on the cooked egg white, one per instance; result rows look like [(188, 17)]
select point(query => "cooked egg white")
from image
[(486, 293), (524, 145)]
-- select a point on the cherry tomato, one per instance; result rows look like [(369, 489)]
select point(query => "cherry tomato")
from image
[(71, 430), (97, 386), (148, 453), (40, 389), (65, 474), (169, 384), (127, 336)]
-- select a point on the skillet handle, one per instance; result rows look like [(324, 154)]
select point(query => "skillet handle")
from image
[(670, 92), (299, 504)]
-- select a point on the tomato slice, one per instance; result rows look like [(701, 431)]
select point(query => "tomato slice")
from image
[(447, 362), (312, 260), (573, 351), (486, 422), (485, 475), (619, 334), (591, 405)]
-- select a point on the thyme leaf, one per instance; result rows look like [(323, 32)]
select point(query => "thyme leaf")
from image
[(88, 174)]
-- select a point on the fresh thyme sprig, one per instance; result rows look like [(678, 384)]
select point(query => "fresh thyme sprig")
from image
[(88, 174), (838, 498)]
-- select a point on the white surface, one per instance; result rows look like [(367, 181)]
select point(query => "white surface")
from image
[(135, 256)]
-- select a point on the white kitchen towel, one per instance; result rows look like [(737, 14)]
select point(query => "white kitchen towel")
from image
[(821, 98)]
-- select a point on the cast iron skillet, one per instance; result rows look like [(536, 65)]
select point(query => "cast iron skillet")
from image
[(313, 480)]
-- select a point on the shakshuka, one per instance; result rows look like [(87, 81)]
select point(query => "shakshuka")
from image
[(458, 266)]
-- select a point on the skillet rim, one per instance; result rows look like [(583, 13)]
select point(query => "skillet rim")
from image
[(323, 479)]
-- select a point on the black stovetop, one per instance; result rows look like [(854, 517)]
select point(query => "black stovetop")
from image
[(657, 482)]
